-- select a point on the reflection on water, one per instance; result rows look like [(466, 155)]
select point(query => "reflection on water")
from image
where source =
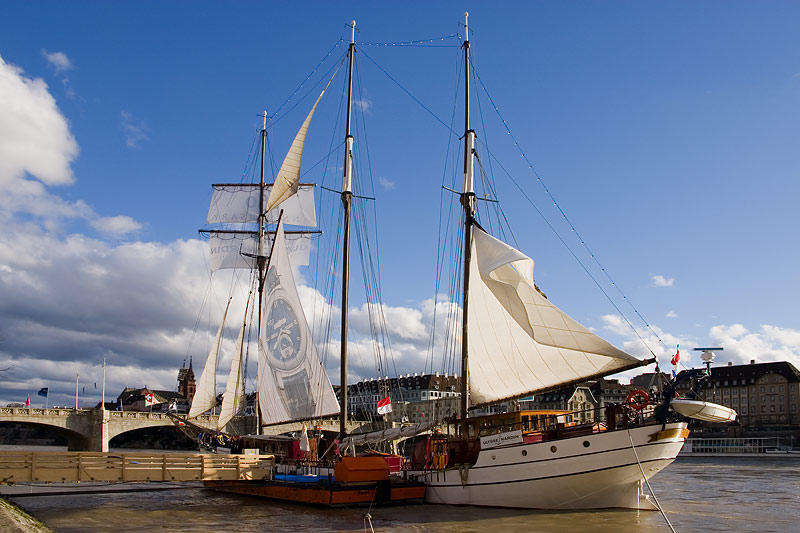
[(698, 494)]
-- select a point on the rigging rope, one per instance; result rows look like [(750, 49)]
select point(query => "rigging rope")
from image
[(571, 226)]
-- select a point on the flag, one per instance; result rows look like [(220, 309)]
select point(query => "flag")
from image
[(304, 441), (148, 398), (385, 406), (677, 356), (28, 401), (43, 391)]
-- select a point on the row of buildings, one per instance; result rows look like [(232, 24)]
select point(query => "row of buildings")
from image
[(765, 395)]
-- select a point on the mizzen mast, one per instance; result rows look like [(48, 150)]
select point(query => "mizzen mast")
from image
[(347, 201), (468, 202)]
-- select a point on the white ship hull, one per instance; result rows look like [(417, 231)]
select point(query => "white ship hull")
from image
[(595, 471)]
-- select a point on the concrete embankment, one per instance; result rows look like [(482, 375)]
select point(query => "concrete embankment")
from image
[(14, 520)]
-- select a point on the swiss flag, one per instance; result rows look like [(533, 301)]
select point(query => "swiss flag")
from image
[(385, 406), (677, 356), (148, 398)]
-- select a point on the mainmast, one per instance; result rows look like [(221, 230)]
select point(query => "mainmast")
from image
[(347, 201), (261, 258), (468, 202)]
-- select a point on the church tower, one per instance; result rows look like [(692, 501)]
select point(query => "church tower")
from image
[(186, 383)]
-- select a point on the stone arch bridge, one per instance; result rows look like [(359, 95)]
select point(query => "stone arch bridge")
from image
[(92, 429)]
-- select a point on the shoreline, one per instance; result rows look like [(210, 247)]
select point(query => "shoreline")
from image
[(14, 518)]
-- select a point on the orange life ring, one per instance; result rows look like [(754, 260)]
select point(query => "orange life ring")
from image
[(638, 399)]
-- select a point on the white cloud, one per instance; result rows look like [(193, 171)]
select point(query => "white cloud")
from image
[(364, 104), (672, 314), (117, 226), (135, 130), (661, 281), (34, 135), (386, 183), (58, 60), (770, 343)]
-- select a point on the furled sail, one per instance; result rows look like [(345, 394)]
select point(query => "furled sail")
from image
[(292, 383), (238, 249), (288, 178), (238, 204), (519, 342), (205, 396), (233, 400)]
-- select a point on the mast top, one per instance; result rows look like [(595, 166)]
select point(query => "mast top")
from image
[(352, 32), (466, 26), (265, 119)]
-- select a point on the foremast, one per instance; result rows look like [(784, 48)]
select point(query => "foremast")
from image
[(347, 202), (468, 202), (261, 258)]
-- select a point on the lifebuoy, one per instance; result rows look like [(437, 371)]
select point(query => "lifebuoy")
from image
[(638, 399)]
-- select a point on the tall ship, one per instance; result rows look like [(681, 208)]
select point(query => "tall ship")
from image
[(513, 342)]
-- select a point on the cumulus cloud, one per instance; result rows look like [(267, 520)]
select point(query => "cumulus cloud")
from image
[(117, 226), (661, 281), (364, 104), (34, 136), (671, 314), (135, 130), (769, 343)]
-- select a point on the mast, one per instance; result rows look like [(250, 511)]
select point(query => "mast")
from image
[(260, 257), (468, 202), (347, 201)]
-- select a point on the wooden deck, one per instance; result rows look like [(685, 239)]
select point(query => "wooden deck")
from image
[(70, 467)]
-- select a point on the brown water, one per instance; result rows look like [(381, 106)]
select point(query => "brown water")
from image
[(697, 494)]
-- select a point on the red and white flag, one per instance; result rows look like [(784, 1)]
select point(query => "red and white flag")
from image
[(148, 398), (28, 401), (677, 356), (385, 406)]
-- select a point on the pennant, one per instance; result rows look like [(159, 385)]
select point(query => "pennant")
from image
[(677, 356), (385, 406), (28, 401)]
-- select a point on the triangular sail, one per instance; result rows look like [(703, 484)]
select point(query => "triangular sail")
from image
[(288, 178), (205, 396), (519, 342), (233, 400), (292, 383)]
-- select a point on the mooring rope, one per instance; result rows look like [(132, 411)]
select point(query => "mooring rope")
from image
[(647, 482)]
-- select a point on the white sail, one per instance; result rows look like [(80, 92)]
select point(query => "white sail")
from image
[(288, 178), (239, 249), (519, 342), (205, 396), (292, 383), (233, 400), (238, 204)]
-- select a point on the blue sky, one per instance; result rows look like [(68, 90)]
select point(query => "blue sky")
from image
[(668, 133)]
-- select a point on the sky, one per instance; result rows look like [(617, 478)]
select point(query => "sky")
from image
[(667, 133)]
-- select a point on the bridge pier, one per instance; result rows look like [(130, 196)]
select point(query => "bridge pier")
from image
[(98, 440)]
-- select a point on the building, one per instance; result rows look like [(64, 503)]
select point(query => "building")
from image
[(146, 399), (415, 398), (765, 395), (186, 382)]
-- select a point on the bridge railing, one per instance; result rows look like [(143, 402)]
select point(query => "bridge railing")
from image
[(54, 467), (40, 411)]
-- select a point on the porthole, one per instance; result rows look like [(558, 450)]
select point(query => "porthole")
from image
[(494, 457), (553, 449), (586, 444), (524, 453)]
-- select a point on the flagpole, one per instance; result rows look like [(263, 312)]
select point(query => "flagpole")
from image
[(76, 390), (46, 398), (103, 393)]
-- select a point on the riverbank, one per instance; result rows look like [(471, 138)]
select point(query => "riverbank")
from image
[(16, 520)]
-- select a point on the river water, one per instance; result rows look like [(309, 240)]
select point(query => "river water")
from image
[(697, 494)]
